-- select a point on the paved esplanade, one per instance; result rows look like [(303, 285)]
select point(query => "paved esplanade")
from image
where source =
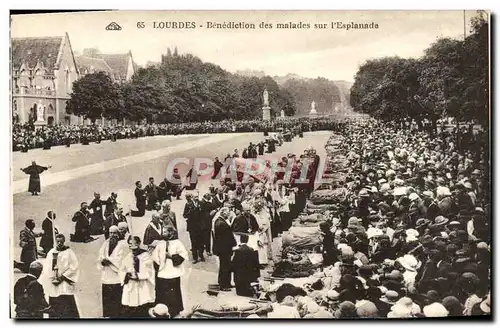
[(80, 171)]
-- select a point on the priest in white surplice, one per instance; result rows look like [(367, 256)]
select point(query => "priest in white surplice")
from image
[(59, 276), (138, 279), (170, 255), (109, 261), (263, 218)]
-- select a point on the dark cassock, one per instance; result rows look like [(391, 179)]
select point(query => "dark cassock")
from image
[(82, 226), (195, 227), (113, 219), (261, 147), (223, 248), (111, 205), (245, 223), (59, 277), (29, 298), (245, 265), (34, 172), (140, 202), (109, 262), (164, 190), (170, 256), (153, 232), (217, 167), (47, 240), (97, 220)]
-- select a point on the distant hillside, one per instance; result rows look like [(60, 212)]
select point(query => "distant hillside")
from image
[(329, 96), (250, 73)]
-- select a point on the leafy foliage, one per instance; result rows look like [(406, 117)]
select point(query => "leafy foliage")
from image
[(95, 96), (451, 79)]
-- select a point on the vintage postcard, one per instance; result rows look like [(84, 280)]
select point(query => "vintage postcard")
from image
[(250, 165)]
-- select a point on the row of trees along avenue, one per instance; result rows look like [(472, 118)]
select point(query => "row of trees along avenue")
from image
[(450, 80), (180, 89)]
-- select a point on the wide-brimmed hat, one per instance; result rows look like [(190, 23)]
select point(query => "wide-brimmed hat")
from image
[(435, 310), (411, 235), (346, 308), (409, 262), (390, 297), (485, 305), (431, 295), (407, 304), (374, 232), (422, 223), (159, 310), (439, 221), (453, 224), (366, 309)]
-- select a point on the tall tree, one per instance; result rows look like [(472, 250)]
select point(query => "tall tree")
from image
[(95, 96)]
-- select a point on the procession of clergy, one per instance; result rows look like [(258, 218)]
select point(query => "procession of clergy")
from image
[(235, 221)]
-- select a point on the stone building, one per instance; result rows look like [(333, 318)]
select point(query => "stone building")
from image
[(43, 70)]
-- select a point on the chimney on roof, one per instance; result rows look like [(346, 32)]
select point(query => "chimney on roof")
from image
[(91, 52)]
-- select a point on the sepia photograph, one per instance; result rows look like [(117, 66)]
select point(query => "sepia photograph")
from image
[(250, 165)]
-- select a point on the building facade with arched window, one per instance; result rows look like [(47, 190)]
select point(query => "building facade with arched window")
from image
[(43, 72)]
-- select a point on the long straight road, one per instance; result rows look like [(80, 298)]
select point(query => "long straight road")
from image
[(80, 171)]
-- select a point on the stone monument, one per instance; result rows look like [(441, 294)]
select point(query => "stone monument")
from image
[(40, 116), (282, 113), (266, 110), (313, 111)]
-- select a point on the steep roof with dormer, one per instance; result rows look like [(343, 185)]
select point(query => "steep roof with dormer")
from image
[(32, 51), (117, 62), (87, 64)]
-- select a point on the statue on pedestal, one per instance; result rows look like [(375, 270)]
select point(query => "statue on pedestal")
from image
[(40, 112), (313, 109), (266, 98), (266, 110), (282, 113)]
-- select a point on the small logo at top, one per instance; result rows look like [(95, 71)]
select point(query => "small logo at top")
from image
[(113, 27)]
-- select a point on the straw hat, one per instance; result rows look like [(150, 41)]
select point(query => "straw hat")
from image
[(439, 221), (435, 310), (159, 310), (409, 262), (390, 297)]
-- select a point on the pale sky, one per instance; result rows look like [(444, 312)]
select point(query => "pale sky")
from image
[(332, 53)]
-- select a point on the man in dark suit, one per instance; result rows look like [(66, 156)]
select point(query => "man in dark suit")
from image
[(195, 226), (29, 296), (151, 191), (140, 200), (113, 219), (245, 265), (223, 248), (207, 211), (27, 241)]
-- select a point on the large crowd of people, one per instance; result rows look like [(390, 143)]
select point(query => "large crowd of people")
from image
[(403, 231), (25, 136)]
